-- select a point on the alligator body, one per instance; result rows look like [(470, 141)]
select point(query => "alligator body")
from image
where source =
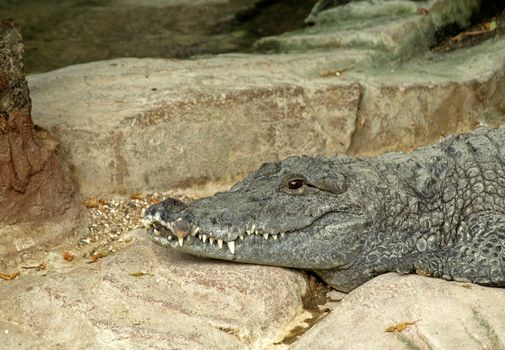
[(438, 211)]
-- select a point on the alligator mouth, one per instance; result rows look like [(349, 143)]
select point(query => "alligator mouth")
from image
[(181, 234)]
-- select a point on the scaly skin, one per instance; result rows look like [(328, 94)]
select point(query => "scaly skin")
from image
[(438, 211)]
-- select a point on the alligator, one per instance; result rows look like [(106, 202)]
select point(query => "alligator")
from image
[(438, 211)]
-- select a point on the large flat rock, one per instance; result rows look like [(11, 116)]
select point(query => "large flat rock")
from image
[(179, 303), (429, 98), (434, 314), (154, 124), (149, 124)]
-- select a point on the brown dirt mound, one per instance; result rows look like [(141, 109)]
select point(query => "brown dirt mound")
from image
[(33, 183)]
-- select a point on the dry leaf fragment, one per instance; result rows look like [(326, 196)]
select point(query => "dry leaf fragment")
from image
[(400, 326), (93, 202), (97, 256), (153, 200), (137, 195), (68, 256), (9, 276)]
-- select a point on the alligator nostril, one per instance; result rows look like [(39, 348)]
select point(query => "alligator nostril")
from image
[(181, 228), (172, 205)]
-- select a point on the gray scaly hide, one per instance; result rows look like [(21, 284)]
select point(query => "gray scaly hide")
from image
[(438, 211)]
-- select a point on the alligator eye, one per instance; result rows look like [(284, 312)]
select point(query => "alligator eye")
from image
[(295, 184)]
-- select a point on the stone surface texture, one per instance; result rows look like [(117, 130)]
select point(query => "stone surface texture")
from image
[(158, 124), (420, 102), (144, 297), (445, 315), (392, 29)]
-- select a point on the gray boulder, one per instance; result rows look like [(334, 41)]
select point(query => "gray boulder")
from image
[(412, 312)]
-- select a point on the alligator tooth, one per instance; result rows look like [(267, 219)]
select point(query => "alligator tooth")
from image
[(211, 240), (274, 236), (220, 243), (169, 238), (157, 217), (265, 235), (253, 228), (204, 238), (181, 240), (283, 234), (194, 230), (200, 237), (241, 236), (178, 219), (147, 222), (231, 246), (157, 233)]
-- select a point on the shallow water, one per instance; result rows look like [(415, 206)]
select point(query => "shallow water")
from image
[(61, 33)]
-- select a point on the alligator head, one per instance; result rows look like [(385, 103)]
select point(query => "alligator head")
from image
[(302, 212)]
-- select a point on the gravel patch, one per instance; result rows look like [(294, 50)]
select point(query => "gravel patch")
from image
[(111, 219)]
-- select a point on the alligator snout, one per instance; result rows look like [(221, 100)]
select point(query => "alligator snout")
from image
[(173, 221), (166, 218)]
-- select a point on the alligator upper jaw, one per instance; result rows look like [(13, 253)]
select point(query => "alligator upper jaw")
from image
[(181, 233)]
